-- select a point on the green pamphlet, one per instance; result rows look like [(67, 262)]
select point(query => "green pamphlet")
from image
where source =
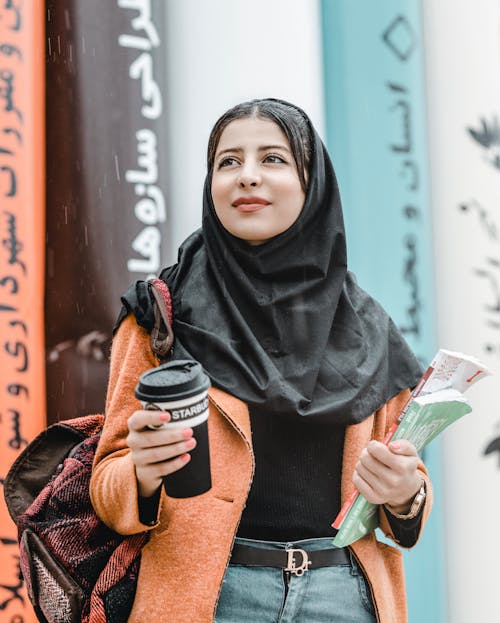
[(435, 403)]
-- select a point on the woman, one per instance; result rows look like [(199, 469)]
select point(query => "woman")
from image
[(308, 372)]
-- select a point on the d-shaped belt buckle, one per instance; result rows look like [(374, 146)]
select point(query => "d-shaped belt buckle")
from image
[(292, 565)]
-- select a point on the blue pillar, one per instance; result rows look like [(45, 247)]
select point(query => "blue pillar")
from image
[(376, 134)]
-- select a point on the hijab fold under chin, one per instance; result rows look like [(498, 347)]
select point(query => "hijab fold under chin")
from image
[(284, 325)]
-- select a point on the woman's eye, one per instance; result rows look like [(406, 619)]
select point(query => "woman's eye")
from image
[(227, 162), (274, 159)]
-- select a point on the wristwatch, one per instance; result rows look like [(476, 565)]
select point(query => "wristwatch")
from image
[(416, 505)]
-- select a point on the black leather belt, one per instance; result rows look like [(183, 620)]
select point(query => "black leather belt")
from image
[(295, 560)]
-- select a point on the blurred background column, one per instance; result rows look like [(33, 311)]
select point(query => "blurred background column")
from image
[(106, 182), (463, 81), (22, 242), (376, 129)]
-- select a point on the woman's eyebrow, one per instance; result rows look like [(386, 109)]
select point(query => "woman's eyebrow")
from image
[(233, 150), (266, 147)]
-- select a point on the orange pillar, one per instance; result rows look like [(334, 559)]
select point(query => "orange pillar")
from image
[(22, 243)]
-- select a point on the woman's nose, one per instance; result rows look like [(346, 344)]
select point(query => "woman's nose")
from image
[(249, 177)]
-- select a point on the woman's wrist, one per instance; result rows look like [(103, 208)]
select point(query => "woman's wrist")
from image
[(410, 508)]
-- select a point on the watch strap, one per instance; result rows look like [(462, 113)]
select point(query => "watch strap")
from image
[(416, 505)]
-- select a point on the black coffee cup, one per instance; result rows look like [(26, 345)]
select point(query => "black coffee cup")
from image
[(180, 387)]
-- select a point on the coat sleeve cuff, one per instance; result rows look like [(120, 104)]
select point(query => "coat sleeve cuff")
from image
[(149, 508), (406, 530)]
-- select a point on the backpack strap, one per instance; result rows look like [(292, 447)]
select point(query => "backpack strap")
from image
[(162, 336)]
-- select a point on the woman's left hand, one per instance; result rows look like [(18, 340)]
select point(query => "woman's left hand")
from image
[(388, 474)]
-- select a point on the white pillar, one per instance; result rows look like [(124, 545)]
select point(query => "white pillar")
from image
[(220, 53), (463, 78)]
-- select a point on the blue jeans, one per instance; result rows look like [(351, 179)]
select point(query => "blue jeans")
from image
[(337, 594)]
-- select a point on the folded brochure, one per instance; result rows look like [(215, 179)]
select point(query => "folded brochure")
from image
[(436, 402)]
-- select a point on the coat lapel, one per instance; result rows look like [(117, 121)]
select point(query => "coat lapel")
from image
[(234, 409)]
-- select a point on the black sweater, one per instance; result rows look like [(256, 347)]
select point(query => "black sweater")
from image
[(295, 493)]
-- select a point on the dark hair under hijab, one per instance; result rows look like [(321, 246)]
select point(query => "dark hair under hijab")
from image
[(283, 325), (293, 122)]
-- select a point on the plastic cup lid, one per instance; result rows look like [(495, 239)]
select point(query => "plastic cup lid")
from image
[(175, 380)]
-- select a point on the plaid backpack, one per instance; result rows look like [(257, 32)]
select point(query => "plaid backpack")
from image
[(76, 569)]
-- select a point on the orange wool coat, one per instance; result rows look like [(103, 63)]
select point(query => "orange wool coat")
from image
[(183, 563)]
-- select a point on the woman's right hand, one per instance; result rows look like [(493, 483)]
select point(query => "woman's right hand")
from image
[(156, 453)]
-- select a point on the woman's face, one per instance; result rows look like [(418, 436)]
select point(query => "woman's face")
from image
[(255, 187)]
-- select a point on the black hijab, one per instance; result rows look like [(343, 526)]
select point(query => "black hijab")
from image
[(284, 325)]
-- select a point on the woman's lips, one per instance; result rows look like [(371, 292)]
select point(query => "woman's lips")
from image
[(250, 204)]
